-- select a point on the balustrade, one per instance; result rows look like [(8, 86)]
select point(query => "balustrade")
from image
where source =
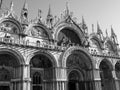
[(31, 44)]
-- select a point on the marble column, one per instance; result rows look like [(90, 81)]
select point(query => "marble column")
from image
[(97, 79), (26, 80), (61, 79)]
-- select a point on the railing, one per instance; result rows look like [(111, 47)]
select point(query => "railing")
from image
[(31, 44)]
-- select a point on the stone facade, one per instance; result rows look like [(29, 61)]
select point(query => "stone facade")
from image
[(56, 54)]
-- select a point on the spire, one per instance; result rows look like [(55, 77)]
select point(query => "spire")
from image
[(67, 9), (99, 31), (49, 11), (1, 2), (112, 32), (92, 28), (24, 14), (84, 26), (49, 18), (39, 15), (25, 6), (83, 21), (106, 33), (113, 36), (11, 6)]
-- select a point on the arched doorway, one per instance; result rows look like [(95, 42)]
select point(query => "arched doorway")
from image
[(42, 72), (79, 69), (9, 71), (75, 81), (107, 80)]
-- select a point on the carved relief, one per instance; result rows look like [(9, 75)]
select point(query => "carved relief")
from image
[(74, 60), (38, 32), (9, 27)]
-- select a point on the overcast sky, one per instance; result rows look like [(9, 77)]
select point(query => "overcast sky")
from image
[(106, 12)]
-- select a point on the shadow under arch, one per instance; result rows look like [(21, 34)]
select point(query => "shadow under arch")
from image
[(44, 64), (46, 54), (68, 30), (70, 50), (13, 53), (117, 69), (107, 80), (11, 63)]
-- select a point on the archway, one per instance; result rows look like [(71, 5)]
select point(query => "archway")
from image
[(68, 36), (42, 72), (75, 81), (10, 71), (79, 69), (107, 80)]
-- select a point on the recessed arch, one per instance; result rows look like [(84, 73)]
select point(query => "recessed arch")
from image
[(11, 62), (13, 53), (96, 41), (78, 63), (107, 63), (46, 54), (38, 30), (15, 22), (68, 36), (72, 27), (71, 50), (44, 64), (107, 80)]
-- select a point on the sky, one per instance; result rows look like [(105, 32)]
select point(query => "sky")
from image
[(105, 12)]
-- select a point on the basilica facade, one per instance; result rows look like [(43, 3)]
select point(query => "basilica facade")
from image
[(56, 54)]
